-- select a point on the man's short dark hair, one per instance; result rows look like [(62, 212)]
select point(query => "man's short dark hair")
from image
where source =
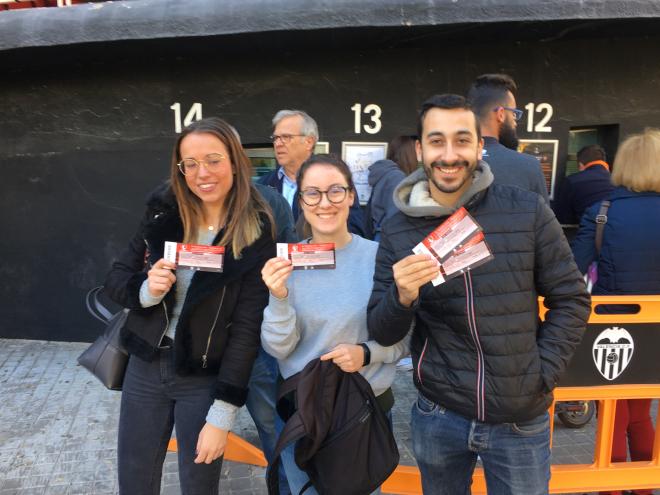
[(445, 102), (591, 153), (488, 91)]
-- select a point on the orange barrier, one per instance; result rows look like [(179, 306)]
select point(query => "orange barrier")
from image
[(601, 474), (568, 478), (237, 450)]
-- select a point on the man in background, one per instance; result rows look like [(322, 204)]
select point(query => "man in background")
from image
[(492, 97), (590, 185), (294, 137)]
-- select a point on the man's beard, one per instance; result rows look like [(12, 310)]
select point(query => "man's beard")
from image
[(458, 163), (508, 136)]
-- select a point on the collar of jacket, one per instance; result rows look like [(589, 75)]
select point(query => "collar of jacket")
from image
[(602, 163), (164, 224), (482, 179)]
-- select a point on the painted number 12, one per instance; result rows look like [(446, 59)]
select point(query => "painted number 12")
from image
[(542, 108)]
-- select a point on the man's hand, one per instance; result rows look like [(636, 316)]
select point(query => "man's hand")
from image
[(349, 357), (411, 273), (210, 444)]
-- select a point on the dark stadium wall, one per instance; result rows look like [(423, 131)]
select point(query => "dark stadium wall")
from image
[(84, 138)]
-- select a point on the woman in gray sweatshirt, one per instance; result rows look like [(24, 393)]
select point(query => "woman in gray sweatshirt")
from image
[(323, 313)]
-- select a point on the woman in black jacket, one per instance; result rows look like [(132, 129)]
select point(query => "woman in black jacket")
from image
[(192, 335)]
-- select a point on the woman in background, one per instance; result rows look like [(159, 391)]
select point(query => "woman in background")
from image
[(384, 176), (628, 264)]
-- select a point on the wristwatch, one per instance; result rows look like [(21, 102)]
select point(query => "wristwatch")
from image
[(367, 354)]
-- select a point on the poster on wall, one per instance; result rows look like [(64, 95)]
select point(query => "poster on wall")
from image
[(321, 147), (545, 151), (359, 157)]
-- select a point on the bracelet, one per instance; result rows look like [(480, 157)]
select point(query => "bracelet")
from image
[(367, 354)]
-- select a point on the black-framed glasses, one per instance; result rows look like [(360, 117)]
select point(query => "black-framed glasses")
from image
[(285, 138), (335, 194), (517, 113), (212, 162)]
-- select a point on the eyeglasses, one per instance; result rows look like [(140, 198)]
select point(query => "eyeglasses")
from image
[(212, 162), (517, 113), (285, 138), (335, 194)]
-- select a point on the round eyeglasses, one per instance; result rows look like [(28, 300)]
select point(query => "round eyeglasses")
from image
[(335, 194), (190, 166)]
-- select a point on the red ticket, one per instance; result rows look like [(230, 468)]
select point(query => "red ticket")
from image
[(195, 256), (449, 235), (308, 256)]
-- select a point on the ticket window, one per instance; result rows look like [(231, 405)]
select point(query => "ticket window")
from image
[(263, 159), (606, 136)]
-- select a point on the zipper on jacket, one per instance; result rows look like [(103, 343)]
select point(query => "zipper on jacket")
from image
[(167, 325), (215, 320), (472, 324), (419, 362)]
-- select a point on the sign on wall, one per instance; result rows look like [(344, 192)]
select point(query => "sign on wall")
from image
[(545, 151), (359, 157)]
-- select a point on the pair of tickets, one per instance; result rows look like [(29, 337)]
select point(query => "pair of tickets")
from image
[(457, 245), (211, 258)]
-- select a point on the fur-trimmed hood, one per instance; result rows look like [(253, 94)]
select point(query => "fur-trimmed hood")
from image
[(413, 198)]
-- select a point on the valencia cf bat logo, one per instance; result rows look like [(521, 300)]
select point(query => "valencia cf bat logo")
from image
[(612, 352)]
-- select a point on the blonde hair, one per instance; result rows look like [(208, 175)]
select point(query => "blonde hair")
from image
[(243, 205), (637, 163)]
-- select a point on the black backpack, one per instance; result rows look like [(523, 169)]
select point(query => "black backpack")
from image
[(343, 439)]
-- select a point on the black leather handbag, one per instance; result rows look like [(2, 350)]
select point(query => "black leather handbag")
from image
[(106, 359)]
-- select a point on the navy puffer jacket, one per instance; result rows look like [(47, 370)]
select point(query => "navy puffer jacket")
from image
[(629, 262), (478, 345)]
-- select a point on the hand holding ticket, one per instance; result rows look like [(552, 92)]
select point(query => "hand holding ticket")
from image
[(458, 245), (195, 256), (308, 256)]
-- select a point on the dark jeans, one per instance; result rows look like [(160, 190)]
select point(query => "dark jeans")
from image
[(264, 382), (154, 399), (515, 456)]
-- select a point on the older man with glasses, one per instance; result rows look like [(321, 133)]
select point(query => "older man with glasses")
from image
[(294, 137), (492, 97)]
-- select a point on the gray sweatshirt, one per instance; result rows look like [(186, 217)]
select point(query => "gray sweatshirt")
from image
[(325, 308)]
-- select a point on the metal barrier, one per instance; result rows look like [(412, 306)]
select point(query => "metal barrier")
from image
[(601, 474)]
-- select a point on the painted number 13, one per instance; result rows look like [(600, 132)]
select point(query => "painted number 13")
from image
[(374, 112)]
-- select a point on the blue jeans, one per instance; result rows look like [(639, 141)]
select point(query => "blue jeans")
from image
[(515, 456), (154, 399), (260, 403)]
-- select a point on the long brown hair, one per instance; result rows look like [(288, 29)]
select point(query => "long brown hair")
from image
[(243, 205), (401, 151)]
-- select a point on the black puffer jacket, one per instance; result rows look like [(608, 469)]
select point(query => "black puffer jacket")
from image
[(220, 322), (478, 346)]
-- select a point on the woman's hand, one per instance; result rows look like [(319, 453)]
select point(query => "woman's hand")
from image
[(161, 278), (349, 357), (275, 273), (210, 444)]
